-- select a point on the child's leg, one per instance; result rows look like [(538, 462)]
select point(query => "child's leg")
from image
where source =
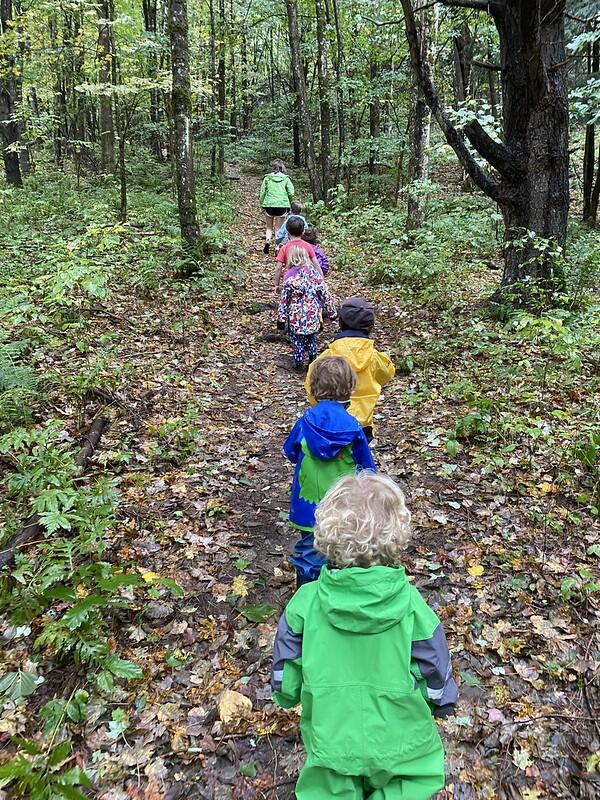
[(421, 779), (312, 347), (306, 560), (299, 349), (319, 783)]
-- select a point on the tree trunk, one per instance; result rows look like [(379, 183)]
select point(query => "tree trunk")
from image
[(374, 117), (419, 124), (339, 69), (105, 56), (9, 92), (181, 111), (324, 107), (589, 156), (533, 159), (221, 90), (150, 26), (304, 112), (535, 193)]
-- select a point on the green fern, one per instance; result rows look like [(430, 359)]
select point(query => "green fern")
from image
[(18, 385)]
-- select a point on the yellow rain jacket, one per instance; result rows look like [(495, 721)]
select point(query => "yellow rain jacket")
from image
[(373, 371)]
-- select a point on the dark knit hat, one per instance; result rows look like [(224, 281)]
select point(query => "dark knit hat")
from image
[(357, 314)]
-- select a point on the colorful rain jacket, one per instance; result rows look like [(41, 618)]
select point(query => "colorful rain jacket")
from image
[(373, 371), (368, 660), (324, 444), (276, 191), (303, 296)]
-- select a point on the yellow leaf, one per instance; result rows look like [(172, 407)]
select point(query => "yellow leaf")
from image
[(234, 706), (81, 591), (475, 570), (240, 586), (546, 488), (150, 577)]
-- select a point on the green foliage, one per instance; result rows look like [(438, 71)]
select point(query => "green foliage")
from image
[(40, 775), (18, 384)]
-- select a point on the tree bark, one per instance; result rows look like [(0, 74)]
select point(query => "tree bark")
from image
[(105, 56), (590, 210), (533, 160), (304, 112), (149, 8), (339, 71), (419, 123), (182, 109), (324, 106), (221, 90), (9, 92)]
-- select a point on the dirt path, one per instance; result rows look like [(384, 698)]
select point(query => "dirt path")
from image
[(204, 504)]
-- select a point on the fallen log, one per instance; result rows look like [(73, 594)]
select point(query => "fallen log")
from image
[(32, 527)]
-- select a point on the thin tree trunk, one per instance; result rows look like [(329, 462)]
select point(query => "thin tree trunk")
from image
[(181, 111), (105, 55), (339, 71), (589, 156), (324, 107), (221, 89), (419, 125), (149, 8), (212, 46), (9, 92), (374, 122), (304, 112)]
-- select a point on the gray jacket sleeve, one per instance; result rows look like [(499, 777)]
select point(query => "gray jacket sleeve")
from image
[(432, 659), (288, 647)]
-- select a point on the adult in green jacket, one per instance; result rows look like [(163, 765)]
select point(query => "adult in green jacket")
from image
[(365, 656), (276, 193)]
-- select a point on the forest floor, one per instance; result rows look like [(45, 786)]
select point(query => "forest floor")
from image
[(203, 409)]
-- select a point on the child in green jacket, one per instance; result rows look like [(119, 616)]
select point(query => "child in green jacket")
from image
[(276, 194), (365, 655)]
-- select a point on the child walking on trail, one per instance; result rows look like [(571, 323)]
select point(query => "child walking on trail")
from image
[(373, 369), (302, 298), (281, 237), (295, 228), (310, 236), (276, 193), (324, 444), (365, 655)]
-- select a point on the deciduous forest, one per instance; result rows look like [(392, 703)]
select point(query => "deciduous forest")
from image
[(448, 156)]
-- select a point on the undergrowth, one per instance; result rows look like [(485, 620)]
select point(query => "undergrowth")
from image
[(63, 256)]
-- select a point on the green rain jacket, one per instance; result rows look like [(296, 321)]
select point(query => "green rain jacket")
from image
[(368, 660), (276, 191)]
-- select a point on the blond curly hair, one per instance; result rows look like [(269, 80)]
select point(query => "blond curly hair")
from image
[(332, 378), (297, 257), (363, 521)]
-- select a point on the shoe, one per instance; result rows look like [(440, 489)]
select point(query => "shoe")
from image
[(266, 248)]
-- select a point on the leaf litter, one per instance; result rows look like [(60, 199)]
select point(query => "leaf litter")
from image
[(202, 515)]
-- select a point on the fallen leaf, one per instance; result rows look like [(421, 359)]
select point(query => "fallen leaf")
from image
[(475, 570), (234, 706)]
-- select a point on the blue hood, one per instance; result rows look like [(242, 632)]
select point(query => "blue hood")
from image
[(328, 428)]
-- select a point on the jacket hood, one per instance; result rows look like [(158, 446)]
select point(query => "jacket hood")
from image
[(364, 600), (357, 349), (277, 176), (328, 428)]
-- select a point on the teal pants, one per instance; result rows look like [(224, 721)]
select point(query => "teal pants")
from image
[(421, 778)]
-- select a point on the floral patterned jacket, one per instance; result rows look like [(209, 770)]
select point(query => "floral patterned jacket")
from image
[(303, 296)]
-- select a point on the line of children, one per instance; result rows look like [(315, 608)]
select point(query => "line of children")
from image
[(357, 645)]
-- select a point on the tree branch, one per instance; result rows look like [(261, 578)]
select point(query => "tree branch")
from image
[(496, 153), (454, 138), (485, 65)]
